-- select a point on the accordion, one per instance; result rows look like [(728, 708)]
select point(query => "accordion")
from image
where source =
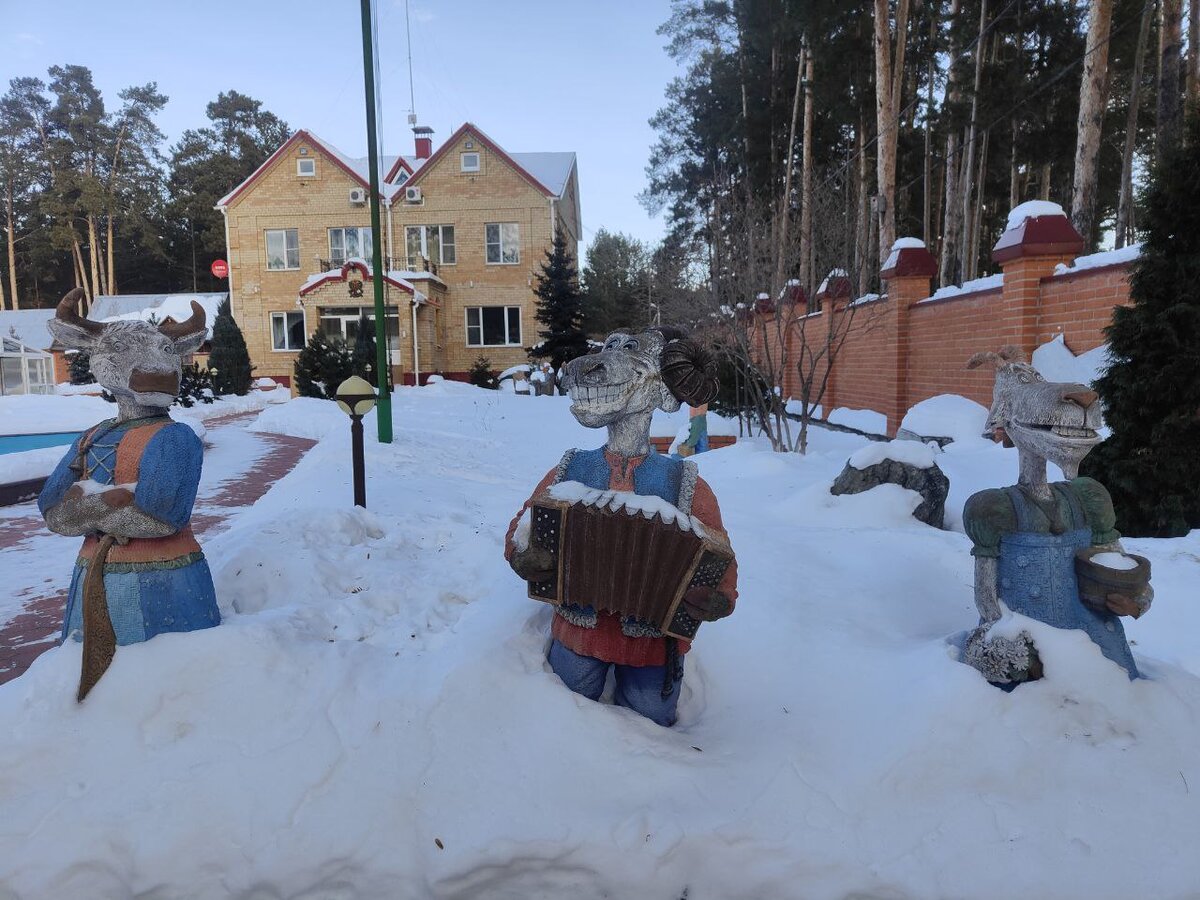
[(624, 553)]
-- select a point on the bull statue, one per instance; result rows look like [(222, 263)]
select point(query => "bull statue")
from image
[(127, 486), (1044, 549)]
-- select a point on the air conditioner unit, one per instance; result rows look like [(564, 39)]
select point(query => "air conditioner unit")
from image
[(412, 195), (358, 195)]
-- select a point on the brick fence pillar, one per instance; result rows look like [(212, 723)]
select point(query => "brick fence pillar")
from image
[(1027, 253), (908, 271), (831, 297)]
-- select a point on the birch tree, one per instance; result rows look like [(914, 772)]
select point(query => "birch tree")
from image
[(889, 81), (1093, 92)]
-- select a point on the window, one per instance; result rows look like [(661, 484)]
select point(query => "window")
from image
[(493, 326), (306, 168), (341, 323), (349, 243), (283, 249), (470, 162), (287, 331), (435, 242), (503, 242)]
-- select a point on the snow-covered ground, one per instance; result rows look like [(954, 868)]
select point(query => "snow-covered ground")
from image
[(374, 718)]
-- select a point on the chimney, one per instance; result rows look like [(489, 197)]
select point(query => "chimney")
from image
[(424, 141)]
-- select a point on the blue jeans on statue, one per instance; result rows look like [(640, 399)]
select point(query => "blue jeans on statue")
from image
[(638, 687)]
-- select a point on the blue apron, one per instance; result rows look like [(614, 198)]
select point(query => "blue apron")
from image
[(1037, 577)]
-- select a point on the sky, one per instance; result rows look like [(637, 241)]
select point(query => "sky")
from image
[(535, 75)]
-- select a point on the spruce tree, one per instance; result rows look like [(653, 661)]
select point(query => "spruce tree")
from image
[(80, 368), (322, 366), (481, 373), (560, 307), (1151, 390), (229, 360)]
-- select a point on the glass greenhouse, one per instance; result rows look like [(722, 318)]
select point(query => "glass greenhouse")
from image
[(24, 370)]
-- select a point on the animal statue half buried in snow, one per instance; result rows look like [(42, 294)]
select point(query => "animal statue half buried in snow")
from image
[(127, 487), (619, 388), (1034, 542)]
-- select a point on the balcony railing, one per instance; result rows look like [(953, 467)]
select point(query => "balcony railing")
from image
[(391, 263)]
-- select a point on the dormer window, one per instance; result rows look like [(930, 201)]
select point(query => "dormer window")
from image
[(470, 162), (306, 168)]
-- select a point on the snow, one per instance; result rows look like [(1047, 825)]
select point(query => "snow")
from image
[(1111, 560), (513, 370), (833, 274), (574, 492), (913, 453), (1055, 362), (946, 415), (796, 407), (29, 464), (552, 170), (904, 243), (976, 285), (28, 326), (140, 307), (1031, 209), (1105, 258), (375, 717), (861, 419)]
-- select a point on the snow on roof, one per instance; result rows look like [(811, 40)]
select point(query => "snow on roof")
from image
[(401, 278), (904, 243), (1104, 258), (127, 307), (1031, 209), (28, 326), (986, 283), (551, 169), (833, 273)]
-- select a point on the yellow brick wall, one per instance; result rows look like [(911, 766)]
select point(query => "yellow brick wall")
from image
[(468, 201)]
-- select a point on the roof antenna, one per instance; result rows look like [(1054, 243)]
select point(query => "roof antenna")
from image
[(412, 98)]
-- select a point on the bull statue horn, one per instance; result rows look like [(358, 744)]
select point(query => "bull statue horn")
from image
[(66, 311), (198, 321)]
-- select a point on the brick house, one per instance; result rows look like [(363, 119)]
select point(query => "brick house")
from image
[(465, 230)]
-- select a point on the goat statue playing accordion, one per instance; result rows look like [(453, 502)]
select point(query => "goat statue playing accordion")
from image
[(627, 544), (127, 487)]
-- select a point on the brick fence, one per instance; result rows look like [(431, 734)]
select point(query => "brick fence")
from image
[(909, 345)]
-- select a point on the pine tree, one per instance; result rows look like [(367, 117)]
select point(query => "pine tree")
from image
[(560, 307), (321, 366), (481, 373), (229, 360), (80, 369), (1151, 391), (195, 386)]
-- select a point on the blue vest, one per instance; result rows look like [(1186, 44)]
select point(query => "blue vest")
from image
[(1037, 577), (657, 476)]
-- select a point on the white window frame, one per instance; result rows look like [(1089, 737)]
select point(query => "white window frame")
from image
[(391, 316), (300, 161), (509, 342), (424, 233), (500, 243), (364, 247), (267, 249), (283, 314), (463, 161)]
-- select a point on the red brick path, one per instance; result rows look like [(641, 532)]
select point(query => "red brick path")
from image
[(34, 630)]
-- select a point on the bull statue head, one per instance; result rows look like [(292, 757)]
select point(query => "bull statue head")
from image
[(631, 376), (137, 362), (1053, 421)]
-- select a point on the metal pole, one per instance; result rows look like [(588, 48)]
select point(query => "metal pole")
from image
[(384, 407), (356, 450)]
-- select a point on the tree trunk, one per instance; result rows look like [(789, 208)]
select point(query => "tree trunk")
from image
[(1193, 53), (977, 213), (785, 207), (806, 184), (1170, 38), (1044, 188), (1093, 92), (11, 241), (889, 78), (968, 176), (927, 190), (81, 278), (1125, 202), (952, 206), (94, 256), (862, 220), (108, 249)]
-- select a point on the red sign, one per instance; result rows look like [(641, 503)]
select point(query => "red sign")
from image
[(220, 268)]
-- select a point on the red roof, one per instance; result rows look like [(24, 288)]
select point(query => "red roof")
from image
[(344, 271)]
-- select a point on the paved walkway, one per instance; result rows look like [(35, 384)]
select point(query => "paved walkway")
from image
[(240, 466)]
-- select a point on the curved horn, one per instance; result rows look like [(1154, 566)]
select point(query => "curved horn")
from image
[(66, 312), (198, 321)]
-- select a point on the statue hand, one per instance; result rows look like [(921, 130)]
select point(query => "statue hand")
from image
[(533, 564), (116, 498), (706, 604), (74, 492), (1124, 605)]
